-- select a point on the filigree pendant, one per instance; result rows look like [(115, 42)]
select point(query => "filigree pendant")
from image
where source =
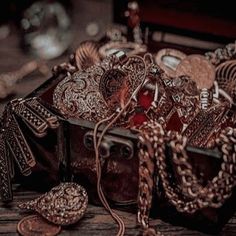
[(64, 204), (87, 94)]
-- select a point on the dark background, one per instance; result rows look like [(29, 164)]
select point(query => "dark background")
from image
[(214, 20)]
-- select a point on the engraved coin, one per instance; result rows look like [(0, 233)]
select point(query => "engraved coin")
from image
[(35, 225), (199, 69)]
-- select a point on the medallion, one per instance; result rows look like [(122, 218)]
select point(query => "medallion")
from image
[(199, 69)]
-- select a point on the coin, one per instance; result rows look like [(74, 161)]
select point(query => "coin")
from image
[(34, 225), (199, 69)]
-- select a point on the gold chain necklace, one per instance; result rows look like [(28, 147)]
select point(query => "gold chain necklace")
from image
[(153, 161)]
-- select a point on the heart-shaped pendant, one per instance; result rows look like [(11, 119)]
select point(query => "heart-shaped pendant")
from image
[(64, 204), (87, 94)]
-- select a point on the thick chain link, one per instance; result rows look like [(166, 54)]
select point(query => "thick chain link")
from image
[(188, 195)]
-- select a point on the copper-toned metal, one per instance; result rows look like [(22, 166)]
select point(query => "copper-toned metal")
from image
[(38, 118), (226, 78), (19, 147), (111, 82), (5, 178), (193, 196), (178, 94), (64, 204), (205, 124), (222, 54), (199, 69), (129, 48), (79, 95), (34, 225), (147, 170), (168, 59), (86, 55)]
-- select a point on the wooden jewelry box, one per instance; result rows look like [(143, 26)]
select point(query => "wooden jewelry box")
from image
[(67, 153)]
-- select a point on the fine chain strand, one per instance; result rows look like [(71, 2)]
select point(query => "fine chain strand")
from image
[(96, 146)]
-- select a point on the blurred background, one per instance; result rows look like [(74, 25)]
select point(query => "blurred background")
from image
[(36, 35), (46, 32)]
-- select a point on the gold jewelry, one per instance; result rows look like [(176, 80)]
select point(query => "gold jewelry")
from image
[(85, 93), (129, 48), (64, 204), (152, 157), (168, 59)]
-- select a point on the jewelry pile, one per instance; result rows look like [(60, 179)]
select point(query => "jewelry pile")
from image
[(168, 98)]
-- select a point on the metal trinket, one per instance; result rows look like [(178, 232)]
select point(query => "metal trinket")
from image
[(64, 204), (79, 95), (130, 48), (168, 59), (34, 225), (199, 69), (13, 143)]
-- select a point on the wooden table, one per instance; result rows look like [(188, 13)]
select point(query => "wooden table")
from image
[(96, 221)]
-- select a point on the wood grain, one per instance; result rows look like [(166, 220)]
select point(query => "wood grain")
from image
[(95, 222)]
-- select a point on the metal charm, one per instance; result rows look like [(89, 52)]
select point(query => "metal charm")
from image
[(64, 204), (226, 78), (129, 48), (205, 98), (85, 94), (38, 118), (34, 225), (199, 69), (5, 178), (168, 59), (204, 125)]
